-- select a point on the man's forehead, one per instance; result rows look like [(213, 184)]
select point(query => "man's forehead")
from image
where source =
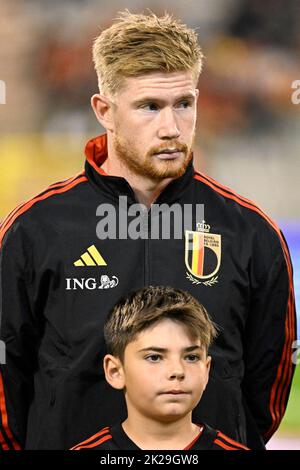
[(161, 82)]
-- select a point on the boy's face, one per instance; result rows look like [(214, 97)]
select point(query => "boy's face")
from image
[(164, 372)]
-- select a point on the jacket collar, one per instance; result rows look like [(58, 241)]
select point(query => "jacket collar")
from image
[(115, 186)]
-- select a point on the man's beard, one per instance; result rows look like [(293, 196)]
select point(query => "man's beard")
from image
[(151, 166)]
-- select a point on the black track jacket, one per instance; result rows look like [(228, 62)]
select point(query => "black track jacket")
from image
[(115, 438), (59, 280)]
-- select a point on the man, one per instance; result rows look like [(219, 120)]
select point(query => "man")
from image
[(60, 277)]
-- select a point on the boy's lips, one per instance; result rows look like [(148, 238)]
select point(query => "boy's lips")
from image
[(175, 392)]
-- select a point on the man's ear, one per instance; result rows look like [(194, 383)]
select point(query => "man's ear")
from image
[(114, 372), (102, 107)]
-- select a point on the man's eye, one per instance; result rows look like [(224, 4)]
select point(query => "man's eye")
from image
[(184, 104), (150, 107), (153, 358), (192, 358)]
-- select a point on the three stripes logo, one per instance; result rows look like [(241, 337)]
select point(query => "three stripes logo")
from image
[(91, 257)]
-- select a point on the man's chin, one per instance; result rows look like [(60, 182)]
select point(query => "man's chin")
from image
[(168, 169)]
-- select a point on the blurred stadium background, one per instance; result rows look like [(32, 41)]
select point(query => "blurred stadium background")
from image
[(248, 127)]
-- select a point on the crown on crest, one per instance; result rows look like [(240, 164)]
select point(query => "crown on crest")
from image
[(203, 227)]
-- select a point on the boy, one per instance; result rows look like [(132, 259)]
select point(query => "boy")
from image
[(157, 340)]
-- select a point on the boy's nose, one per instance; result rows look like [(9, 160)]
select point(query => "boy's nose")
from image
[(177, 373)]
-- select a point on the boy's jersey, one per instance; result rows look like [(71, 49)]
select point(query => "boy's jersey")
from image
[(60, 277), (115, 438)]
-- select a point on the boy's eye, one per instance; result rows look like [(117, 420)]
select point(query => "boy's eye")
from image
[(192, 358), (153, 358)]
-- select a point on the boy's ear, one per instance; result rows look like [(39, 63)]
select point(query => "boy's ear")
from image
[(102, 107), (208, 364), (114, 372)]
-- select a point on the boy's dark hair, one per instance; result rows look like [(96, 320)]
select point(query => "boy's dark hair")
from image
[(141, 309)]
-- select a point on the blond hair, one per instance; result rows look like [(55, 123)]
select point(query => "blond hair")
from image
[(141, 309), (137, 44)]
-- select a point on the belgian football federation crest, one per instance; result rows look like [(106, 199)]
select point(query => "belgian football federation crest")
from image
[(202, 255)]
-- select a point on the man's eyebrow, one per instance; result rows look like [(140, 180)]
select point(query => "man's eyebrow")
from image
[(151, 99), (162, 350)]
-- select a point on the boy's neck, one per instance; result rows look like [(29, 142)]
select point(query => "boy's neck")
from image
[(149, 434)]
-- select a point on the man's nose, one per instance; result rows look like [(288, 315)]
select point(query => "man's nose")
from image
[(168, 127)]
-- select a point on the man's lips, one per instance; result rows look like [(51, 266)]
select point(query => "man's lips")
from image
[(168, 153)]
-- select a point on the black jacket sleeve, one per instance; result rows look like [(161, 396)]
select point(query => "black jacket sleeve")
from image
[(270, 332), (19, 335)]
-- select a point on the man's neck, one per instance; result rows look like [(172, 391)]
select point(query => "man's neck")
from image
[(148, 434), (145, 189)]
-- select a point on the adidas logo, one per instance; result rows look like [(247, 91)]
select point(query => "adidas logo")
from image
[(91, 257)]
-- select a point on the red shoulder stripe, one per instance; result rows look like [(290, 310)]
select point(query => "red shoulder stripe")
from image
[(8, 217), (226, 192), (283, 378), (228, 440), (62, 187), (190, 445), (24, 207), (224, 446), (68, 180), (94, 444), (4, 419), (52, 186), (208, 179), (3, 444), (94, 436)]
